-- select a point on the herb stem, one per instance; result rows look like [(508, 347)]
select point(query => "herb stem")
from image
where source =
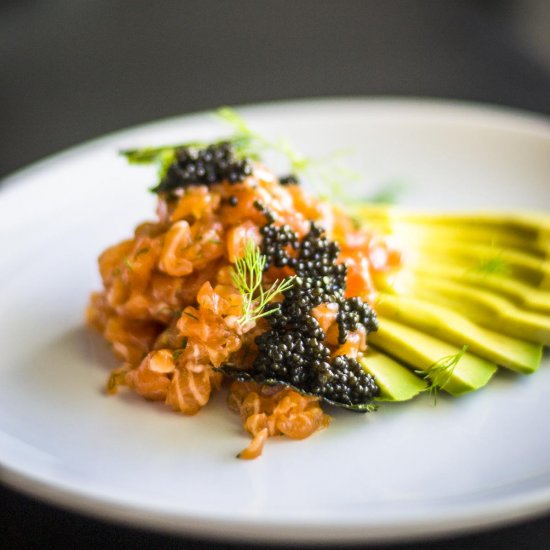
[(247, 275)]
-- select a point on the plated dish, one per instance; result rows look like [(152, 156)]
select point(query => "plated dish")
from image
[(431, 141)]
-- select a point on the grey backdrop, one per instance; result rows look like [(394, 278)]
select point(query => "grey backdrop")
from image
[(74, 69)]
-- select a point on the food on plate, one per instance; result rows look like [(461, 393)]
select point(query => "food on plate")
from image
[(248, 279), (476, 280)]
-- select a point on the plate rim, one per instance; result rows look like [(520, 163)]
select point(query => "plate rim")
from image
[(279, 531), (536, 504)]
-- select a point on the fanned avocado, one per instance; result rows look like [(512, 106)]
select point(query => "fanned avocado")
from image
[(534, 227), (396, 382), (486, 259), (444, 323), (422, 352), (483, 307), (414, 235), (522, 294), (477, 280)]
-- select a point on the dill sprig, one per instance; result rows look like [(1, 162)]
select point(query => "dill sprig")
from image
[(247, 274), (327, 174), (246, 142), (162, 156), (493, 265), (439, 374), (390, 193)]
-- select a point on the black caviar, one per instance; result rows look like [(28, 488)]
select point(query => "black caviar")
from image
[(213, 164), (290, 179), (352, 313), (293, 350)]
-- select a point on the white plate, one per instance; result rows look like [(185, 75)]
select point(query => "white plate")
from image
[(410, 470)]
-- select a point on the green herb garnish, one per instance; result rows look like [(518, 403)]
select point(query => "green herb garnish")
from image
[(191, 315), (390, 193), (162, 156), (327, 174), (494, 265), (128, 264), (247, 274), (246, 144), (176, 354), (439, 374)]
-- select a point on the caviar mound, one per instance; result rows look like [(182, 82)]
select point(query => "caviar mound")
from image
[(180, 321), (214, 164), (295, 351)]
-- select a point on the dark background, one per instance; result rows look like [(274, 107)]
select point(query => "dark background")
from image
[(71, 70)]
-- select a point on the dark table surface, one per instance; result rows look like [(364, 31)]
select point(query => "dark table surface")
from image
[(71, 71)]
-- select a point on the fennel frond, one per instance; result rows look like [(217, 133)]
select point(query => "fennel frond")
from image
[(247, 274), (439, 374)]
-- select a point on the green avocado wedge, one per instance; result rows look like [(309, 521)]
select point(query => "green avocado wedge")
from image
[(396, 382), (481, 306), (444, 323), (416, 235), (473, 292), (523, 295), (422, 352), (530, 226), (484, 259)]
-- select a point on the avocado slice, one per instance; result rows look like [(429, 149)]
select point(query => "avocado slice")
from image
[(530, 226), (487, 259), (483, 307), (415, 234), (523, 295), (422, 352), (444, 323), (396, 382)]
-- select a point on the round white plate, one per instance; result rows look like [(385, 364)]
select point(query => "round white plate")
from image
[(409, 470)]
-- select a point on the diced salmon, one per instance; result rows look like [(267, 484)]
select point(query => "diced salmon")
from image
[(325, 314), (238, 238), (171, 311), (151, 378)]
